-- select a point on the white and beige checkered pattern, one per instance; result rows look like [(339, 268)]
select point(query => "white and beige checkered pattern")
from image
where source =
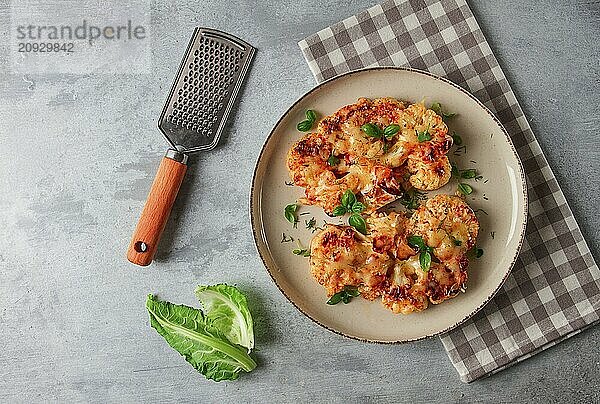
[(554, 289)]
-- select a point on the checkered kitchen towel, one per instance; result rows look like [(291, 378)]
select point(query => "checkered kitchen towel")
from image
[(554, 289)]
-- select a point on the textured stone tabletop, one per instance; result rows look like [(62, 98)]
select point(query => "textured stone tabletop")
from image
[(79, 153)]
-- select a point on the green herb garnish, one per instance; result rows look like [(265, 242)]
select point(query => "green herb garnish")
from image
[(373, 130), (476, 252), (437, 108), (312, 225), (425, 252), (290, 213), (460, 150), (303, 252), (390, 131), (358, 222), (468, 174), (358, 207), (416, 242), (424, 135), (455, 170), (465, 189), (456, 242), (344, 296), (457, 139), (307, 124), (339, 211), (349, 204), (348, 199), (333, 160), (285, 238), (425, 260), (411, 199)]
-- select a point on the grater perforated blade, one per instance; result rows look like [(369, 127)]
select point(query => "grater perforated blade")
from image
[(201, 98), (204, 90)]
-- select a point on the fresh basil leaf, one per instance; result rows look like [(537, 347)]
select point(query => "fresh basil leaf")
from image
[(423, 136), (303, 252), (358, 207), (456, 242), (358, 222), (465, 189), (290, 217), (371, 130), (305, 125), (416, 242), (290, 213), (390, 131), (468, 174), (436, 107), (446, 116), (411, 199), (227, 308), (339, 211), (425, 260), (348, 199), (311, 115), (195, 337), (457, 139), (475, 252), (345, 295), (455, 170), (333, 160), (335, 299)]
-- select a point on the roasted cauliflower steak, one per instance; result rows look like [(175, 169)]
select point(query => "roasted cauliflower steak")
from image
[(341, 156), (381, 264)]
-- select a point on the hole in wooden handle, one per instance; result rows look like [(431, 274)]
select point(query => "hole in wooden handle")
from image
[(140, 247)]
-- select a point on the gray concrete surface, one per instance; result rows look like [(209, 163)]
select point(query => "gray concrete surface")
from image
[(78, 156)]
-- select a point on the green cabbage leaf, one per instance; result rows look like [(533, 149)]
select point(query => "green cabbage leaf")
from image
[(199, 339), (227, 308)]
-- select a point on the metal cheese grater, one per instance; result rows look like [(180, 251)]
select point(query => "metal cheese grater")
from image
[(192, 120)]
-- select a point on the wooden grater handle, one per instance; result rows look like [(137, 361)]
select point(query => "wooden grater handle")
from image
[(156, 211)]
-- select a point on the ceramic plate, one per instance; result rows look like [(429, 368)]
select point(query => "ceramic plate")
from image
[(501, 194)]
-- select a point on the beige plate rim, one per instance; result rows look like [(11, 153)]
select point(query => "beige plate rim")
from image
[(257, 236)]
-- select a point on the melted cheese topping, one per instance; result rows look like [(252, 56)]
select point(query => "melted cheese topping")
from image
[(378, 170), (381, 264)]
